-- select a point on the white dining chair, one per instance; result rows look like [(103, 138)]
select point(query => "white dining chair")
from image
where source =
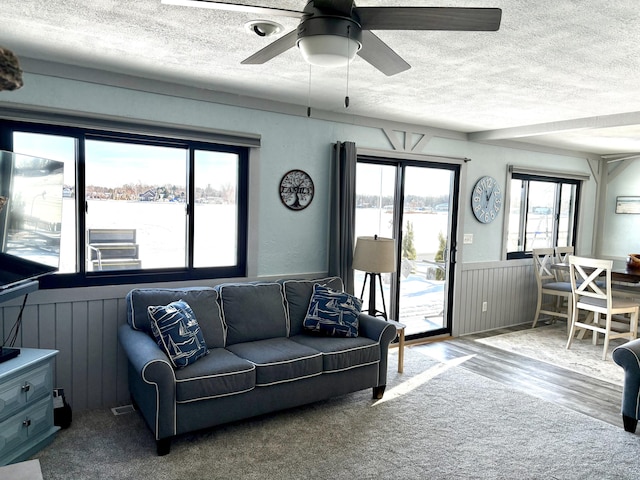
[(562, 253), (543, 259), (595, 297), (562, 256)]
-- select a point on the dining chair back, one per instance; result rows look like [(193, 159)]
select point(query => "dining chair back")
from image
[(591, 291), (562, 256), (543, 259)]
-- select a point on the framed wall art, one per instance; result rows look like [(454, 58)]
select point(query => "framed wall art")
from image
[(628, 205), (296, 189)]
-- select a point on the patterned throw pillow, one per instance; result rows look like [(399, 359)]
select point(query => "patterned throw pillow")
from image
[(333, 313), (177, 332)]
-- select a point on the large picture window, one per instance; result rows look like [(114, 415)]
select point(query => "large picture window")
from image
[(139, 208), (543, 212), (140, 189)]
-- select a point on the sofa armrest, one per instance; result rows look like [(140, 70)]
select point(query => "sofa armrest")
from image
[(376, 328), (154, 385), (381, 331), (628, 357)]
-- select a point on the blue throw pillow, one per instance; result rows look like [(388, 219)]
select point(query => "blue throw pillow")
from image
[(332, 313), (177, 332)]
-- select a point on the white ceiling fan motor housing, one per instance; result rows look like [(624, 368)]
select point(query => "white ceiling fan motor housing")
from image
[(329, 41)]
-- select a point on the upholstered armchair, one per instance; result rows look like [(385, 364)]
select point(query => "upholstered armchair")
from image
[(628, 357)]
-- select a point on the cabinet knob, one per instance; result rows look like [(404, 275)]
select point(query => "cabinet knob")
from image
[(26, 387), (26, 422)]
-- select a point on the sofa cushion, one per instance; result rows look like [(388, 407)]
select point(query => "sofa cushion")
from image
[(332, 313), (342, 353), (219, 374), (177, 332), (297, 294), (202, 300), (253, 311), (279, 360)]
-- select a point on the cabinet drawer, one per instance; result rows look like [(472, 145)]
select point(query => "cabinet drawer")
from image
[(29, 387), (26, 426)]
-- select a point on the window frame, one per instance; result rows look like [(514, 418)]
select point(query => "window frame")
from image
[(559, 178), (191, 142)]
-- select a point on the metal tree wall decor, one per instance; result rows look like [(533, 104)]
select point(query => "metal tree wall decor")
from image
[(296, 189), (10, 73)]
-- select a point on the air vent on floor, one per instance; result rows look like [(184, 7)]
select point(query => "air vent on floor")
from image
[(123, 410)]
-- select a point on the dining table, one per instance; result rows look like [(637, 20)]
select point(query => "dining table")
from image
[(621, 273)]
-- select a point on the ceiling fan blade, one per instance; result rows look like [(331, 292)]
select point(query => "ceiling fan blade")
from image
[(235, 7), (339, 6), (274, 49), (429, 18), (380, 55)]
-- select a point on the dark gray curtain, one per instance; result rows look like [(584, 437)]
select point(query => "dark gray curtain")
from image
[(342, 214)]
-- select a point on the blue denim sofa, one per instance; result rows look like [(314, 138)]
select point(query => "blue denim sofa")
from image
[(260, 358), (627, 356)]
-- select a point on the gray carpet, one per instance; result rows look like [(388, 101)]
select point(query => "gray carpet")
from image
[(436, 422)]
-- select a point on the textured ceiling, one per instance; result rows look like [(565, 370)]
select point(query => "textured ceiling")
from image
[(562, 73)]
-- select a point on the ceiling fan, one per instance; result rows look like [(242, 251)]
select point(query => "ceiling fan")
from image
[(332, 32)]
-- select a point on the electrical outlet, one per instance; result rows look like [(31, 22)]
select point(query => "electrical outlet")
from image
[(467, 239), (484, 306)]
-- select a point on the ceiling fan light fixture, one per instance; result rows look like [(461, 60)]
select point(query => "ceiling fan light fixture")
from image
[(328, 50), (264, 28)]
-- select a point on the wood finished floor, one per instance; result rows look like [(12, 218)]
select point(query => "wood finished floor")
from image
[(584, 394)]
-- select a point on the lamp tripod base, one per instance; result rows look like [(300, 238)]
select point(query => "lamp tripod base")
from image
[(372, 295)]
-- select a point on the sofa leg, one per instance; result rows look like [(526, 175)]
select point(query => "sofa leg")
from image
[(378, 392), (630, 423), (163, 446)]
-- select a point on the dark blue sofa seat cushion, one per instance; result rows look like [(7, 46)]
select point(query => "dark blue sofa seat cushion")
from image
[(342, 353), (279, 360), (253, 311), (202, 300), (219, 374), (298, 293)]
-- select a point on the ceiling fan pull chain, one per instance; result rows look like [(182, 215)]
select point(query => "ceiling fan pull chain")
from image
[(309, 94), (346, 97)]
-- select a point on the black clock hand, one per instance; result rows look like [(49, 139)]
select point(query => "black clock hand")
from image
[(488, 196)]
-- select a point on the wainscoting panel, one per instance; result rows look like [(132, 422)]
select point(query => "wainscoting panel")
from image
[(90, 365), (92, 368), (508, 287)]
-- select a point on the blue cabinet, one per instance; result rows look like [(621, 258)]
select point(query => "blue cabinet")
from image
[(26, 404)]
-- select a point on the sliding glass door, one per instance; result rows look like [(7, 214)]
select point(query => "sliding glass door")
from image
[(414, 203)]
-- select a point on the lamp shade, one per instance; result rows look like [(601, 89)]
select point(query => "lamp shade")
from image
[(375, 255), (328, 50)]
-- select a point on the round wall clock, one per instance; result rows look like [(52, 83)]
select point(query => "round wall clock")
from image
[(486, 199), (296, 189)]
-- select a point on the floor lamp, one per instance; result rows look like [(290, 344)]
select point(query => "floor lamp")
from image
[(374, 255)]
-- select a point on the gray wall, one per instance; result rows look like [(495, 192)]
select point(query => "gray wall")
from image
[(618, 236), (509, 288), (82, 323), (82, 326)]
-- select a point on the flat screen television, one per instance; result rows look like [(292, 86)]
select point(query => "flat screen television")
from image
[(30, 219)]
